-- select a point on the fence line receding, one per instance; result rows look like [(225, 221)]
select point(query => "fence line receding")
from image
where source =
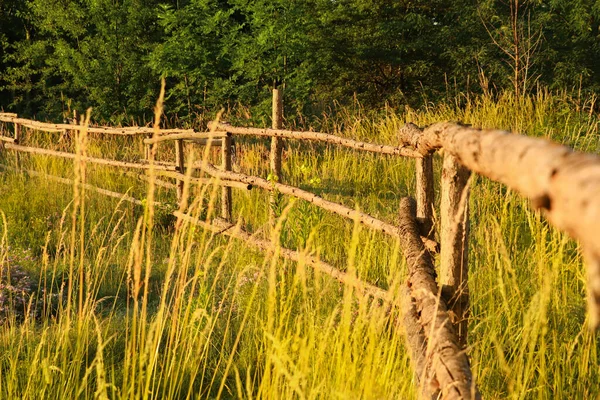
[(562, 182)]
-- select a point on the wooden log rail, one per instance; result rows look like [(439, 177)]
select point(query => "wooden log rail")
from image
[(68, 181), (562, 182), (293, 191), (94, 160), (229, 229), (59, 128), (164, 169), (200, 137), (405, 151)]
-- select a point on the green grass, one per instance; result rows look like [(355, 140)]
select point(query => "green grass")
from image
[(170, 311)]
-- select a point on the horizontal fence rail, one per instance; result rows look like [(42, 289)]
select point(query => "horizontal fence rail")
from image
[(224, 228), (59, 128), (93, 160), (202, 137), (71, 182), (403, 151), (293, 191)]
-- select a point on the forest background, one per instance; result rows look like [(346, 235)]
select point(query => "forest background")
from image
[(59, 55)]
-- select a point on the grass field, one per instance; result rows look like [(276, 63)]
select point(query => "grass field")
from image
[(170, 311)]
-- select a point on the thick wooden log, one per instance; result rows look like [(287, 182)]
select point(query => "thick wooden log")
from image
[(226, 198), (405, 151), (94, 160), (336, 208), (454, 242), (416, 343), (562, 182), (234, 231), (447, 368)]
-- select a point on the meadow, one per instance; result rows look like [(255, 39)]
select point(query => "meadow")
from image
[(169, 310)]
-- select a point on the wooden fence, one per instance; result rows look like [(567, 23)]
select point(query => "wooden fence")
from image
[(562, 182)]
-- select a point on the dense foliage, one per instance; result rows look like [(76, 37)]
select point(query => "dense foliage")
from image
[(56, 55)]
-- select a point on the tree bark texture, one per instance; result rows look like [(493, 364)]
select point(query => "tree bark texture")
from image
[(447, 367), (454, 242)]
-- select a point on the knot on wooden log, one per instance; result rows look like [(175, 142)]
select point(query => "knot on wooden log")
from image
[(410, 135)]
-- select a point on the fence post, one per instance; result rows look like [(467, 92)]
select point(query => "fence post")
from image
[(71, 136), (180, 165), (425, 194), (17, 141), (226, 199), (17, 133), (147, 148), (276, 148), (454, 238)]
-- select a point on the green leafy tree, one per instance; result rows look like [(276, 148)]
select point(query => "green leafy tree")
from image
[(196, 55), (14, 28), (87, 53)]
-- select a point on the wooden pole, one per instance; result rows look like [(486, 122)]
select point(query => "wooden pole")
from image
[(454, 240), (180, 165), (17, 133), (425, 195), (147, 148), (276, 149), (17, 139), (226, 199)]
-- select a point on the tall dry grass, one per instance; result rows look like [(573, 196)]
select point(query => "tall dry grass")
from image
[(127, 302)]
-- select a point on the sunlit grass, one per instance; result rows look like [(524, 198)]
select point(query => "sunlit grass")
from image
[(172, 311)]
